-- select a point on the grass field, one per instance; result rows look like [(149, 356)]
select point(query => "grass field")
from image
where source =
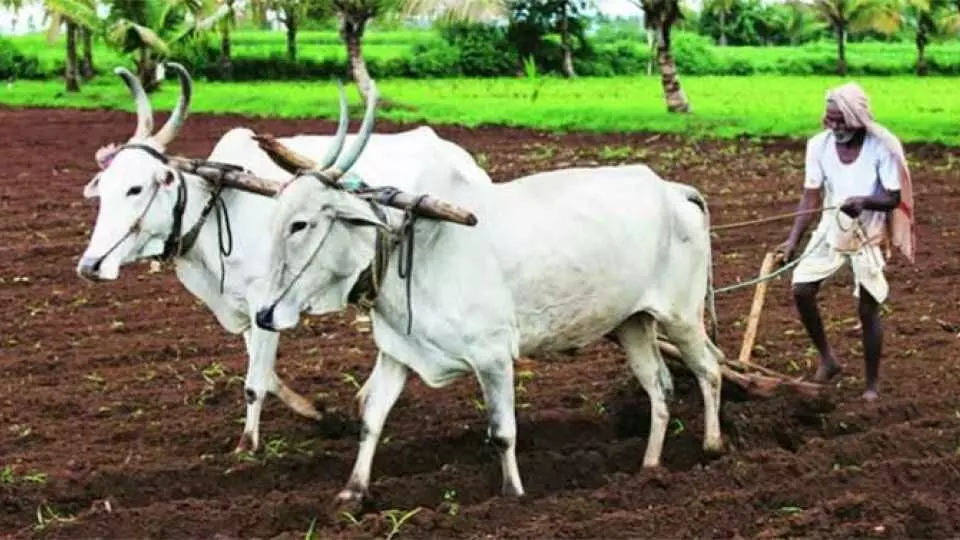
[(916, 109)]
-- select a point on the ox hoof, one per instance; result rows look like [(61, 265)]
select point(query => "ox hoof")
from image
[(246, 444), (714, 448), (508, 490), (350, 496)]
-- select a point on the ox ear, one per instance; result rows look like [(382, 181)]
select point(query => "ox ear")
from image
[(360, 216), (92, 189)]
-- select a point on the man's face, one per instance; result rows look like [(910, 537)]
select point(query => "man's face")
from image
[(833, 120)]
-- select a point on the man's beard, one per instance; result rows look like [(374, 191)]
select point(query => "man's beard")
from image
[(844, 136)]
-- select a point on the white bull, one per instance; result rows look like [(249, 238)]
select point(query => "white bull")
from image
[(140, 214), (557, 260)]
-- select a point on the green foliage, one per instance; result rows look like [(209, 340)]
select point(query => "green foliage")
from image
[(474, 50), (534, 31), (15, 65), (484, 50)]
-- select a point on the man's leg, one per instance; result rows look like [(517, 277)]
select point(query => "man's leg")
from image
[(872, 291), (872, 337), (805, 297)]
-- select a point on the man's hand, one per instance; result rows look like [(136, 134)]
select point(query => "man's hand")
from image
[(785, 251), (853, 206)]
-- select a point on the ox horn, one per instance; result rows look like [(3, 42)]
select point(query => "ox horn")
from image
[(347, 160), (337, 146), (144, 111), (179, 115)]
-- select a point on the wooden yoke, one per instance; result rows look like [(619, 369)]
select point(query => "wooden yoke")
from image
[(428, 207), (227, 175)]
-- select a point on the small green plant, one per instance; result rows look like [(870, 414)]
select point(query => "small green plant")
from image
[(397, 519), (450, 498), (312, 531), (348, 517), (350, 379), (615, 152), (6, 475), (47, 515)]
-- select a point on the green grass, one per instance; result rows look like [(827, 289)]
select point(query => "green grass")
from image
[(916, 109)]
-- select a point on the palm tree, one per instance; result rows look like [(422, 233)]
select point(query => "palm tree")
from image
[(150, 28), (355, 14), (658, 18), (846, 16), (929, 20), (79, 17), (722, 9), (291, 13)]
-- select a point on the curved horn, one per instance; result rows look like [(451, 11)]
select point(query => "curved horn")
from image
[(169, 130), (337, 146), (366, 128), (144, 111)]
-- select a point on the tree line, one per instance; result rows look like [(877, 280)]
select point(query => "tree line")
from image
[(523, 32)]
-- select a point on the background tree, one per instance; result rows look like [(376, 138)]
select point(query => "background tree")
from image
[(291, 14), (150, 28), (659, 18), (929, 20), (354, 16), (80, 21), (844, 16), (722, 9), (224, 27), (531, 22)]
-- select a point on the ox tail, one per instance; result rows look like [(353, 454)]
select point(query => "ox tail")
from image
[(697, 198)]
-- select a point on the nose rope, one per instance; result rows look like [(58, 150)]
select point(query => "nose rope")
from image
[(300, 272), (175, 245), (135, 227)]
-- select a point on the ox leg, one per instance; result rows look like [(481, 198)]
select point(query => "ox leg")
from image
[(498, 394), (377, 397), (261, 355), (639, 338), (703, 358)]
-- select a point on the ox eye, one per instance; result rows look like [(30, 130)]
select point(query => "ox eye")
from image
[(135, 190), (297, 226)]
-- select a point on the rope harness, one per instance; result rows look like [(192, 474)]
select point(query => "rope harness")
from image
[(857, 229), (367, 288), (176, 245)]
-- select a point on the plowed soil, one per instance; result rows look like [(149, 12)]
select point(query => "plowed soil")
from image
[(121, 402)]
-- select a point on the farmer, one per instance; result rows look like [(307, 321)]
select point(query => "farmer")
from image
[(857, 170)]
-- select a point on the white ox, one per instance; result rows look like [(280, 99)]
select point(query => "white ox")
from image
[(139, 195), (557, 260)]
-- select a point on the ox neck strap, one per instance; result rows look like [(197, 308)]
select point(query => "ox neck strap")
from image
[(176, 245), (365, 290)]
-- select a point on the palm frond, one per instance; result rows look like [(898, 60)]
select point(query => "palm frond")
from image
[(133, 36), (472, 10), (81, 12)]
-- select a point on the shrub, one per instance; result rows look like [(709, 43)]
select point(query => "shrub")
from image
[(16, 65)]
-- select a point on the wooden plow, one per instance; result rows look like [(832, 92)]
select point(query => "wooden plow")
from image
[(753, 379)]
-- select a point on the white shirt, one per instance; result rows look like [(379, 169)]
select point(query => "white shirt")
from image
[(874, 169)]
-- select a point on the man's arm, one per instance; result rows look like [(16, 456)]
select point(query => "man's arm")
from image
[(882, 202), (810, 200)]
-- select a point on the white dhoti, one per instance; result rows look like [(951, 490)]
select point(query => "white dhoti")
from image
[(866, 259)]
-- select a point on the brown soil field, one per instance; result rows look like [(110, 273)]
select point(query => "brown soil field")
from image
[(121, 402)]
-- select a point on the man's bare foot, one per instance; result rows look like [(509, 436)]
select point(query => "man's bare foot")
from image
[(870, 395), (827, 371)]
